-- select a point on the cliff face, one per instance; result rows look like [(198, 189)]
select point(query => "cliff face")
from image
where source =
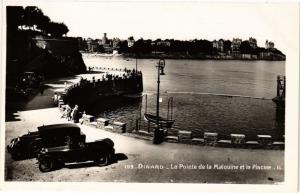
[(51, 65), (47, 56)]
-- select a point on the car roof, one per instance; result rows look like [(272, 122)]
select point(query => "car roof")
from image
[(54, 126), (58, 129)]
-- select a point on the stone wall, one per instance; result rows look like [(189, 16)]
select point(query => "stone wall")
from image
[(62, 46)]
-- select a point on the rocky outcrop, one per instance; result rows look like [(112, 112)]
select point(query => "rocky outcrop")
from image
[(58, 57), (48, 56), (50, 65)]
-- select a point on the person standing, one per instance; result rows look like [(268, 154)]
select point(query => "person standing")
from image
[(67, 112), (75, 114)]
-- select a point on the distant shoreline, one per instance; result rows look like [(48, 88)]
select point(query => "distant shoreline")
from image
[(201, 57), (178, 57)]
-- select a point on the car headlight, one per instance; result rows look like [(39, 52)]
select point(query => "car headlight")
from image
[(13, 142), (43, 150)]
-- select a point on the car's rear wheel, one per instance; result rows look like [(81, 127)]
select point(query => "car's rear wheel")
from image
[(102, 160), (46, 165)]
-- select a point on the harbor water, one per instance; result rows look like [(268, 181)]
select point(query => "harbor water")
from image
[(223, 96)]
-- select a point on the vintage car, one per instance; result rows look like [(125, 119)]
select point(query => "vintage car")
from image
[(100, 151), (28, 145)]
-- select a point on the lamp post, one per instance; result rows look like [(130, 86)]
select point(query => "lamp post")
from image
[(136, 63), (160, 71)]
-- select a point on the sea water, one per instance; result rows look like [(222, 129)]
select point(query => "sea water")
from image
[(223, 96)]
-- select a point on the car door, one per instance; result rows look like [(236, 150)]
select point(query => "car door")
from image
[(78, 153)]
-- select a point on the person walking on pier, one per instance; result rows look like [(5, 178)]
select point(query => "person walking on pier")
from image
[(67, 113), (75, 114)]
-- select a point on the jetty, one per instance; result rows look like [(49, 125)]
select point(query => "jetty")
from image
[(127, 83)]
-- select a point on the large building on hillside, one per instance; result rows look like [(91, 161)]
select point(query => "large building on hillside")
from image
[(164, 43), (269, 45), (92, 45), (235, 45), (116, 43), (130, 41), (253, 42), (104, 39), (219, 45)]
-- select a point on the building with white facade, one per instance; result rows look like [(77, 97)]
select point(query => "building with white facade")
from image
[(219, 45), (253, 42), (116, 43), (130, 41), (235, 45), (269, 45)]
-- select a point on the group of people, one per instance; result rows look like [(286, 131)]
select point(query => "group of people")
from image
[(71, 114), (107, 76)]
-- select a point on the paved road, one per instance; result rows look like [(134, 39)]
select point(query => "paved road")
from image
[(141, 161)]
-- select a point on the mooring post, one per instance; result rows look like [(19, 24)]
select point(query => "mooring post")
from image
[(146, 103), (281, 84), (137, 125), (140, 108), (278, 86), (284, 84)]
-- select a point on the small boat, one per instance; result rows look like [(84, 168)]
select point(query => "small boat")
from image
[(134, 96), (161, 121)]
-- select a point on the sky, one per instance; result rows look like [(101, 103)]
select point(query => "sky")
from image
[(177, 20)]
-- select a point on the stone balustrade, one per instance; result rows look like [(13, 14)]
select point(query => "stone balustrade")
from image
[(236, 140), (102, 122), (183, 136)]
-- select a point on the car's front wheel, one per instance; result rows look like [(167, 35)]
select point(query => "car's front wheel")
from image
[(102, 160), (16, 155), (46, 165)]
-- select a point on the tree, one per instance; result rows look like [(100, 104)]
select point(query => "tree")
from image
[(123, 46), (31, 16), (63, 29), (14, 17), (43, 22), (227, 46), (131, 38), (142, 46), (246, 48), (56, 29)]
